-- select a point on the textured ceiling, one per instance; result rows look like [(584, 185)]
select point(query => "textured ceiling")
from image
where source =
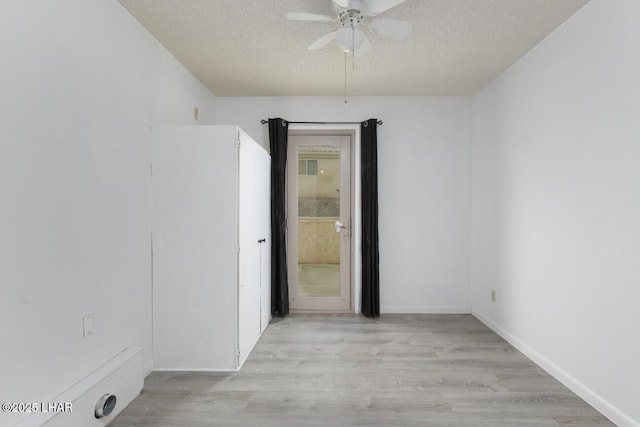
[(248, 48)]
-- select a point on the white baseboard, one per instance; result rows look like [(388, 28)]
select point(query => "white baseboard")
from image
[(401, 309), (593, 399), (121, 376)]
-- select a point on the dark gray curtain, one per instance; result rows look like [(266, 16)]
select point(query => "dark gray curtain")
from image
[(278, 133), (370, 252)]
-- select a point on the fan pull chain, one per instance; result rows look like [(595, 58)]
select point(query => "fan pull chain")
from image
[(345, 80), (353, 61)]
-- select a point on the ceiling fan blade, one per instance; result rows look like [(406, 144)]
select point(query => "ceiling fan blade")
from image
[(390, 27), (344, 4), (376, 7), (302, 16), (364, 48), (323, 41)]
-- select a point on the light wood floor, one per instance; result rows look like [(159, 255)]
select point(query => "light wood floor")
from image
[(346, 370)]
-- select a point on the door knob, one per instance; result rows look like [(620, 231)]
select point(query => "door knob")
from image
[(340, 226)]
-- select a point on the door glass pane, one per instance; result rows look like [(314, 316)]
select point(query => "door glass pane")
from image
[(318, 211)]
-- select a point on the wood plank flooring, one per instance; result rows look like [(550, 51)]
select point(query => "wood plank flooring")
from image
[(346, 370)]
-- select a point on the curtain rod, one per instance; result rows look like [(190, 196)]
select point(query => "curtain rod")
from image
[(263, 121)]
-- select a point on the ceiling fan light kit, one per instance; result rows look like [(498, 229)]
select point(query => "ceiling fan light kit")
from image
[(349, 39)]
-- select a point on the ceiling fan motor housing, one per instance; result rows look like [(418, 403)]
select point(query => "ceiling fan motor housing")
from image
[(350, 17)]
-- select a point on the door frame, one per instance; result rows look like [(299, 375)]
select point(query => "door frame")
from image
[(352, 130)]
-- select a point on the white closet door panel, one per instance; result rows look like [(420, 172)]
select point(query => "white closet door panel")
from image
[(251, 169), (194, 247), (264, 224)]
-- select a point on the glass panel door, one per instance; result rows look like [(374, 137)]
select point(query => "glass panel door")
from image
[(319, 223)]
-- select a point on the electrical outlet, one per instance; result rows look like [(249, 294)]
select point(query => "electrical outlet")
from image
[(493, 295), (196, 113), (87, 324)]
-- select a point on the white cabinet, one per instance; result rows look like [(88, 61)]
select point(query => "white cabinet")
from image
[(211, 278)]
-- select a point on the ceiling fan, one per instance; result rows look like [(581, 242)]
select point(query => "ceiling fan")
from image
[(352, 15)]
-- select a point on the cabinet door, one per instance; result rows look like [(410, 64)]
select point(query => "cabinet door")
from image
[(251, 179), (264, 223)]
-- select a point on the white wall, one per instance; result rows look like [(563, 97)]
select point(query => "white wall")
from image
[(81, 83), (424, 187), (556, 205)]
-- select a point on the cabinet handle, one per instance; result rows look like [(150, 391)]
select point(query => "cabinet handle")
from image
[(262, 240)]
